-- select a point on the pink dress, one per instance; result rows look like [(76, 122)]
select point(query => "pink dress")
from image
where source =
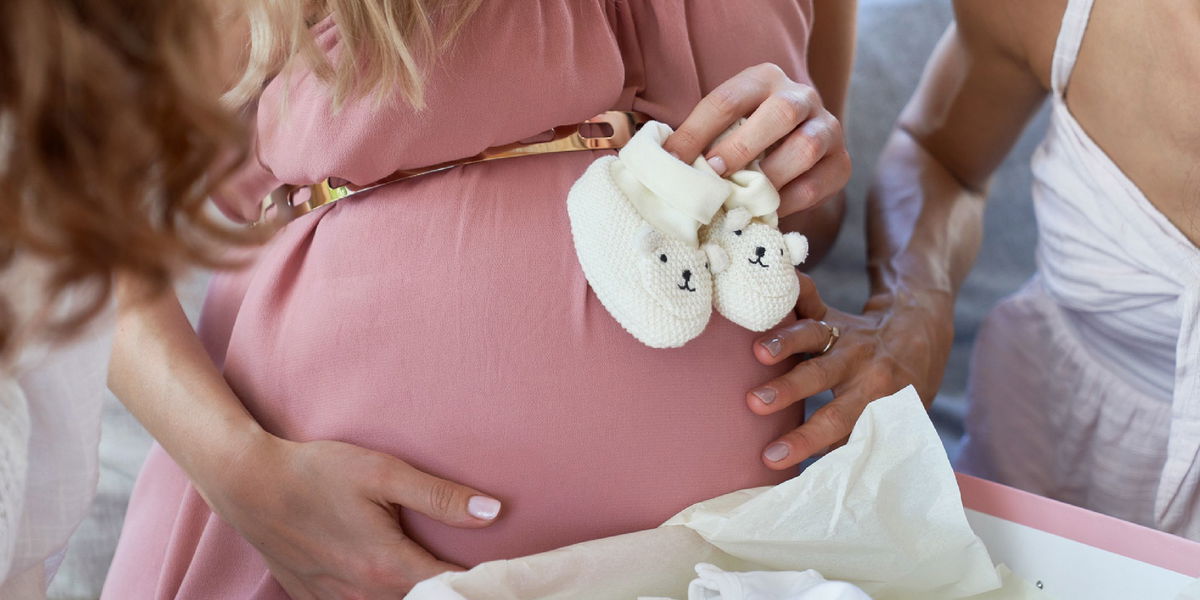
[(446, 320)]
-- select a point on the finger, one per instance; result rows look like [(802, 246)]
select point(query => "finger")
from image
[(419, 564), (809, 304), (773, 120), (396, 566), (804, 336), (820, 183), (291, 584), (808, 378), (826, 427), (802, 149), (437, 498), (728, 102)]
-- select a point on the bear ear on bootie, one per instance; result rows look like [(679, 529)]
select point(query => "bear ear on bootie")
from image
[(797, 245), (718, 259), (647, 238), (737, 219), (653, 282)]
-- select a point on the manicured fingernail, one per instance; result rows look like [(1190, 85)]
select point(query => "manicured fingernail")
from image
[(718, 164), (482, 507), (673, 155), (776, 452), (773, 346), (766, 395)]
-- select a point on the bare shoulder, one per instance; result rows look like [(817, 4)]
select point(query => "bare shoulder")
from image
[(1023, 30)]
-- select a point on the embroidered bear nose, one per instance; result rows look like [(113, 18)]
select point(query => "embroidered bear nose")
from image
[(687, 275), (760, 251)]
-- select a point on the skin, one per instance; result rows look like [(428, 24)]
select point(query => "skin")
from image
[(324, 514), (984, 82), (336, 539), (797, 126)]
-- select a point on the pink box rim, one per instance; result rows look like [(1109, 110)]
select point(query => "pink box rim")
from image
[(1084, 526)]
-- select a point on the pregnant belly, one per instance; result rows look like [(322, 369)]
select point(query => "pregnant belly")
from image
[(449, 324)]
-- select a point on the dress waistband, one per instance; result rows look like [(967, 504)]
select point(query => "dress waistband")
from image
[(615, 128)]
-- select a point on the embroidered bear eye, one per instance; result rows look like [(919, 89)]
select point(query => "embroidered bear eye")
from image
[(662, 257), (737, 232), (781, 251)]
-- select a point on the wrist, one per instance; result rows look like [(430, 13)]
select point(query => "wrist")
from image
[(908, 297), (932, 307), (231, 461), (918, 325)]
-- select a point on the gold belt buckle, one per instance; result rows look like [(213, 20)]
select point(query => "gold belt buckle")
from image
[(564, 138)]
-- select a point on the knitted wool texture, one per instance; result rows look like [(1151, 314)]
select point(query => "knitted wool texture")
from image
[(657, 287), (756, 282), (654, 242)]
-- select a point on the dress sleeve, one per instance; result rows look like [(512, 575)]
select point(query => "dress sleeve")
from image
[(240, 196)]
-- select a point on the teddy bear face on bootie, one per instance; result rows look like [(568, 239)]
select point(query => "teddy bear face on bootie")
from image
[(754, 269), (655, 285), (673, 275)]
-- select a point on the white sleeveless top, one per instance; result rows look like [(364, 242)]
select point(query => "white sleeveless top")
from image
[(1126, 275), (1123, 285)]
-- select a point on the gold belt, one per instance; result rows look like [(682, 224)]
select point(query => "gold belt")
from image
[(289, 202)]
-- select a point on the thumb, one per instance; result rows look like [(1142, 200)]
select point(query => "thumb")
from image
[(419, 564), (809, 305), (451, 503)]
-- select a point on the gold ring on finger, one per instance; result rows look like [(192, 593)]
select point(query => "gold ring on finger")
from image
[(834, 334)]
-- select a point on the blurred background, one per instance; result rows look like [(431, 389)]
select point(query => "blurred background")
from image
[(895, 37)]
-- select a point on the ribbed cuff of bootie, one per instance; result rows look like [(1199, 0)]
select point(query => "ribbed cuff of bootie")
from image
[(753, 191), (671, 195)]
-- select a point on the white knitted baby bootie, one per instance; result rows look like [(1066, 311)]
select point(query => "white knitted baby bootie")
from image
[(754, 269), (635, 220)]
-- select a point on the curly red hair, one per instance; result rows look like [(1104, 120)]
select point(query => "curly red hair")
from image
[(111, 130)]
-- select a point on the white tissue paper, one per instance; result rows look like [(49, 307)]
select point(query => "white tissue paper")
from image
[(712, 583), (882, 512)]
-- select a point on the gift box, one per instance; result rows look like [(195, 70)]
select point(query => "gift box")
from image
[(882, 512), (1070, 552)]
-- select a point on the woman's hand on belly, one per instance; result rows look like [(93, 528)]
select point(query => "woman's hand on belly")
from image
[(895, 343), (325, 516), (804, 145)]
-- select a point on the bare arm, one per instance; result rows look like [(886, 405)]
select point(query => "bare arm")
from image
[(164, 377), (831, 52), (831, 60), (925, 218), (925, 207), (323, 514)]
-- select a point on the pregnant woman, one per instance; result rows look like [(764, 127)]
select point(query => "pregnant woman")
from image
[(390, 370)]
